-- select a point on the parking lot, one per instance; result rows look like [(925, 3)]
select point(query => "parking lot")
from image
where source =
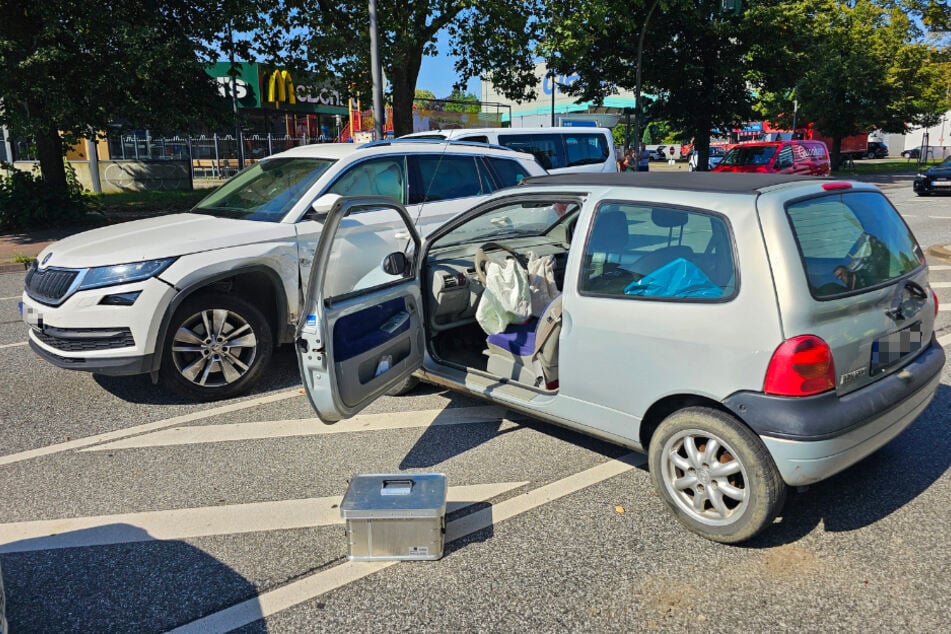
[(126, 510)]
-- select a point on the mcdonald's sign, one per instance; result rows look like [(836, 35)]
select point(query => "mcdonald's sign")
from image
[(280, 88)]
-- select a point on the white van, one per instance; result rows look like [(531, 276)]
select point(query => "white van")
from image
[(559, 150)]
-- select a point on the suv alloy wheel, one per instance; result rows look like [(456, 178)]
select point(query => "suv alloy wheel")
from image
[(216, 346)]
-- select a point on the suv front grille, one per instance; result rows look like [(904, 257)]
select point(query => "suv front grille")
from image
[(88, 339), (49, 285)]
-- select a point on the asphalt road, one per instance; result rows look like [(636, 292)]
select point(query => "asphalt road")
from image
[(124, 510)]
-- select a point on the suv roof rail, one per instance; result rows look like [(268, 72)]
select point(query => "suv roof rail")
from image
[(424, 141)]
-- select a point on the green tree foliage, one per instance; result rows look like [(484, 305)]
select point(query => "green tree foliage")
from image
[(863, 67), (70, 67), (458, 101), (491, 38), (702, 65)]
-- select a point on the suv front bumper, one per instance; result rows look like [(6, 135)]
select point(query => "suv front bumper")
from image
[(84, 333), (811, 438)]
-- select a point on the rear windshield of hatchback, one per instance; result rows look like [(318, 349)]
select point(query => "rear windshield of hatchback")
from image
[(852, 242)]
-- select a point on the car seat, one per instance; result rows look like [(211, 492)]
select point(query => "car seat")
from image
[(528, 353)]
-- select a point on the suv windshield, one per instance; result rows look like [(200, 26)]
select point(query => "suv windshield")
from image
[(266, 191), (852, 242), (751, 155)]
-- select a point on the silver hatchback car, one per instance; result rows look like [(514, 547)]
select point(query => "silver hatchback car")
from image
[(748, 332)]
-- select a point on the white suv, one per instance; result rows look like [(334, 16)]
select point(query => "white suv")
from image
[(199, 300)]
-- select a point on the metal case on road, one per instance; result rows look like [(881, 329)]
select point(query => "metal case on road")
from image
[(395, 516)]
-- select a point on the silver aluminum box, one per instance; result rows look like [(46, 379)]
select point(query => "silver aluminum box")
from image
[(395, 516)]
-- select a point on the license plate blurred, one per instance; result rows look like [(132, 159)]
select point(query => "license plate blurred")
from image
[(892, 348)]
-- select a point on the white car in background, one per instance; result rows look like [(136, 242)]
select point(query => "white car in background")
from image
[(199, 300), (716, 155)]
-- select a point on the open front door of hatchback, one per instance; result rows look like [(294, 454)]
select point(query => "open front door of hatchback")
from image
[(360, 330)]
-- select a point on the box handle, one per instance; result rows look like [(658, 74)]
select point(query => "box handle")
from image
[(396, 487)]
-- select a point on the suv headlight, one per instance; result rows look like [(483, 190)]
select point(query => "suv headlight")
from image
[(123, 273)]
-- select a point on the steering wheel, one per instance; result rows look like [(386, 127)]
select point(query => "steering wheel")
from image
[(482, 257)]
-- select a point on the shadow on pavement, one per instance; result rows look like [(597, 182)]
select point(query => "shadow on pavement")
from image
[(874, 488), (138, 585)]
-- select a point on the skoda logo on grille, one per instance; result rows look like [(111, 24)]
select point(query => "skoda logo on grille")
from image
[(46, 259)]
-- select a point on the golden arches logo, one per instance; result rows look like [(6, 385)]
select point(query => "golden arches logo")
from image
[(280, 87)]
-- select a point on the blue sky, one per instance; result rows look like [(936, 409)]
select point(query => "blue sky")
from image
[(437, 73)]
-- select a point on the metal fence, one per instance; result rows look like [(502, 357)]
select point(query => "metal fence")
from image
[(212, 157)]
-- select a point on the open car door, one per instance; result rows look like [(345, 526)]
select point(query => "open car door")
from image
[(360, 330)]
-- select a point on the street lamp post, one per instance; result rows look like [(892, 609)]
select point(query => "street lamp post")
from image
[(375, 73)]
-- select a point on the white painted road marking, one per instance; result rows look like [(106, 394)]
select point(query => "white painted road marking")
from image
[(945, 340), (940, 267), (322, 582), (14, 297), (14, 345), (940, 284), (147, 427), (231, 519), (308, 427)]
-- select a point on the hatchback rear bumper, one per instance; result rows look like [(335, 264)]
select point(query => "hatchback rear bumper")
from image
[(812, 438)]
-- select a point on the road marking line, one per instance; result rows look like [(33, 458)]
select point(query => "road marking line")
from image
[(319, 583), (308, 427), (14, 345), (14, 297), (233, 519), (945, 308), (147, 427), (940, 217), (940, 267), (940, 284), (945, 340)]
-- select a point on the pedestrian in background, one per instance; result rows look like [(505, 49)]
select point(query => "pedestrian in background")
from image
[(644, 159), (628, 162)]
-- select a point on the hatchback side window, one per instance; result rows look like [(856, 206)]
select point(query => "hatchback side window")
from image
[(478, 138), (852, 242), (376, 177), (784, 158), (445, 177), (507, 173), (658, 253)]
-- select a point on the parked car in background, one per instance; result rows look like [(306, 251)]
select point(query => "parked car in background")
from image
[(778, 157), (934, 180), (199, 300), (713, 159), (912, 153), (558, 150), (876, 150), (658, 153), (731, 326)]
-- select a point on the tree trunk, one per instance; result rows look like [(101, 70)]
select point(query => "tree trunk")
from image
[(49, 151), (835, 152), (403, 79)]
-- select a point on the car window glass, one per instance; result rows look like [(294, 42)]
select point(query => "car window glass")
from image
[(376, 177), (507, 172), (364, 239), (585, 149), (510, 220), (852, 242), (445, 177), (658, 253), (548, 149), (755, 155), (478, 138), (265, 191), (785, 157)]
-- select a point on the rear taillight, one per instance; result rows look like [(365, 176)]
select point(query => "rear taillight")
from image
[(935, 297), (800, 366)]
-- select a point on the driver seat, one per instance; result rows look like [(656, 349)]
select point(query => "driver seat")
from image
[(528, 353)]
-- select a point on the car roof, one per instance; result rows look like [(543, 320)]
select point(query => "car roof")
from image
[(557, 130), (715, 182), (390, 146)]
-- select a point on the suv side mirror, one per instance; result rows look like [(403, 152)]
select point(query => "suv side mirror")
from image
[(322, 206)]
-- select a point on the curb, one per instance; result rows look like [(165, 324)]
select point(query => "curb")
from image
[(15, 267)]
